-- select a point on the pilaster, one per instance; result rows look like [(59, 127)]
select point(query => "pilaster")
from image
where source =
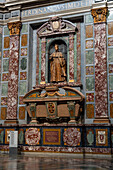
[(14, 28), (101, 91)]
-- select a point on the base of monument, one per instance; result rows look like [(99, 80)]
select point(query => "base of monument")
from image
[(11, 121), (72, 121), (101, 120)]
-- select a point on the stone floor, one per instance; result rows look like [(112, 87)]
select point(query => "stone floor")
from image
[(33, 162)]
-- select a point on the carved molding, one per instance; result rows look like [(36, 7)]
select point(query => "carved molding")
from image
[(99, 14), (55, 26), (14, 28)]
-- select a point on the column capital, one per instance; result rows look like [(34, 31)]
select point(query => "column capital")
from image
[(15, 27), (99, 14)]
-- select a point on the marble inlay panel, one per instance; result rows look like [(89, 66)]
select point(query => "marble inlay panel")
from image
[(111, 110), (89, 70), (89, 44), (89, 83), (89, 97), (88, 19), (6, 42), (110, 41), (21, 100), (3, 113), (89, 31), (37, 61), (89, 57), (71, 57), (23, 75), (23, 64), (90, 137), (3, 101), (101, 137), (110, 28), (111, 96), (43, 59), (22, 113), (13, 78), (101, 103), (6, 65), (79, 52), (6, 54), (21, 136), (22, 88), (1, 136), (90, 111), (6, 31), (110, 68), (24, 40), (111, 82), (23, 51), (5, 76), (4, 89), (24, 28), (110, 54)]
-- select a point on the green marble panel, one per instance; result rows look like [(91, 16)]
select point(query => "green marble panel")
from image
[(89, 83), (110, 15), (23, 64), (4, 89), (24, 28), (6, 31), (89, 57), (0, 41), (88, 19), (2, 136), (5, 65), (110, 54), (22, 87), (111, 82)]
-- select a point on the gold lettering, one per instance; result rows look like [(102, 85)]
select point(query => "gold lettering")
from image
[(26, 13), (70, 5), (40, 10), (29, 12), (82, 4), (45, 10)]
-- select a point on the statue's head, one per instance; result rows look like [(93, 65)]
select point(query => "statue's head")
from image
[(56, 47)]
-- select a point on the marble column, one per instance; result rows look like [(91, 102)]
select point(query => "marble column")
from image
[(43, 60), (14, 28), (71, 57), (101, 91)]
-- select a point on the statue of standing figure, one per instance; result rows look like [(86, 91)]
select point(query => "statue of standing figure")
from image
[(57, 66)]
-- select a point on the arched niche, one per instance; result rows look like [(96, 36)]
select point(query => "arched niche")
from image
[(62, 48), (60, 31)]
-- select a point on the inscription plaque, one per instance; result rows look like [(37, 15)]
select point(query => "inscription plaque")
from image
[(51, 136)]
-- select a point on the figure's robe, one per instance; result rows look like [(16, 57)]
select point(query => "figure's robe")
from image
[(57, 67)]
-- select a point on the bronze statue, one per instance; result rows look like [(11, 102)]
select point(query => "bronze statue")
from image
[(57, 66)]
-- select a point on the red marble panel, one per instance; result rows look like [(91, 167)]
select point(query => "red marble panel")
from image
[(110, 41), (3, 100), (5, 76), (89, 44), (24, 40), (71, 57), (37, 62), (78, 53), (101, 103), (110, 28), (89, 97), (111, 96), (21, 100), (13, 78), (111, 110), (43, 59), (6, 42), (90, 111), (6, 54), (32, 136), (23, 51), (3, 113), (22, 113), (110, 68), (23, 75)]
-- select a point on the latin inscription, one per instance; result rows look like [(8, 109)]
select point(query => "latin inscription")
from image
[(51, 136), (56, 8)]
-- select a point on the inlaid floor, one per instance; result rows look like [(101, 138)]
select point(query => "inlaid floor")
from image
[(33, 162)]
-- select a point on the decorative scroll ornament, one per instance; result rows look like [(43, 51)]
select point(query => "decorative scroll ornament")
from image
[(14, 28), (99, 14)]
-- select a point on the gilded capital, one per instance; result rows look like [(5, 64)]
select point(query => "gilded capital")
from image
[(14, 27), (99, 14)]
